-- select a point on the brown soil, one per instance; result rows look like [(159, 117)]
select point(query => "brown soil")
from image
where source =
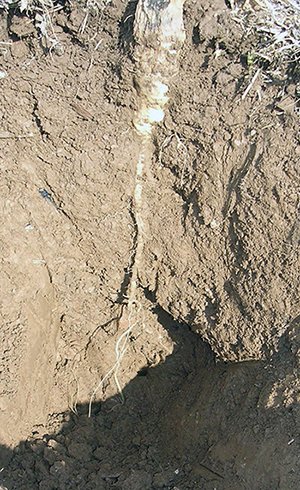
[(221, 264)]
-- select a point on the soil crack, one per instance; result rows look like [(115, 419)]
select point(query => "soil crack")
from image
[(38, 121)]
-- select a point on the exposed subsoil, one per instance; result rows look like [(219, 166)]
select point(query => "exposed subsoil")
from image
[(210, 379)]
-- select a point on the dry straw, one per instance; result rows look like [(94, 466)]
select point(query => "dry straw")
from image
[(277, 23)]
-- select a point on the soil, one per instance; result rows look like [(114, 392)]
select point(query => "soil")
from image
[(210, 380)]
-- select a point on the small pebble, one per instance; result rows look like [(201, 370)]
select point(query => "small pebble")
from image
[(29, 227)]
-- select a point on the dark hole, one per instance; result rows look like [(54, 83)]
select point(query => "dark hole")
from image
[(143, 371), (196, 35)]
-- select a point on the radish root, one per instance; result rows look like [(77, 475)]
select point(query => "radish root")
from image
[(159, 34)]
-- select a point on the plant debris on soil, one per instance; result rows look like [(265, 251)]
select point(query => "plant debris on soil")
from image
[(208, 389), (276, 28)]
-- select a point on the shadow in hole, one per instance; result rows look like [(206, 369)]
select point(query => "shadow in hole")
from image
[(126, 38), (120, 446), (171, 432)]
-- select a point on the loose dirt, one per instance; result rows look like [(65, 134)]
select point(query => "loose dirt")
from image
[(210, 379)]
